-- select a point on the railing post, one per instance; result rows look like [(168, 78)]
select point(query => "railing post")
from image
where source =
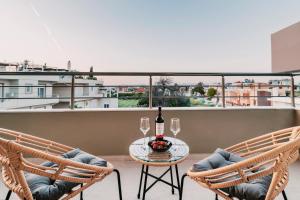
[(150, 91), (72, 91), (223, 91), (292, 91)]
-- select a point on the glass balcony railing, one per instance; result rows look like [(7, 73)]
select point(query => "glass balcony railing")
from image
[(75, 90)]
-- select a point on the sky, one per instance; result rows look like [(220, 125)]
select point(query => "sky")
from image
[(143, 35)]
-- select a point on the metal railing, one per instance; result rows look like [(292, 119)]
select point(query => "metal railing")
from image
[(150, 76)]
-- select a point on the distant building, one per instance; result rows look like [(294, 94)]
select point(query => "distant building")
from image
[(45, 92), (89, 93), (281, 87), (248, 93), (35, 92), (131, 89)]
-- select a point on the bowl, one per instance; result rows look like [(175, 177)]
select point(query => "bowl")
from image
[(160, 146)]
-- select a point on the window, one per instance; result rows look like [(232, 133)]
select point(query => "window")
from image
[(41, 92), (106, 105), (2, 91), (28, 88)]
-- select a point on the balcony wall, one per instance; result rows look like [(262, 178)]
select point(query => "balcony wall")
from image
[(109, 132), (297, 117)]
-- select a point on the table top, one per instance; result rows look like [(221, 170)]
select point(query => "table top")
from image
[(144, 154)]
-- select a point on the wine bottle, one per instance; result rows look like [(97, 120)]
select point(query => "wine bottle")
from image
[(159, 126)]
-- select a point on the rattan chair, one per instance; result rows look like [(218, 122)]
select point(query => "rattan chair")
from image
[(16, 148), (269, 154)]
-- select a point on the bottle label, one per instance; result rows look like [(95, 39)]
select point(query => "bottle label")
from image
[(160, 127)]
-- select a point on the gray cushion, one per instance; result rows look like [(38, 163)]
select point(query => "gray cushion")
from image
[(253, 190), (43, 188), (219, 158)]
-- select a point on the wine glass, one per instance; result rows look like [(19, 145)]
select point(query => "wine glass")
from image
[(175, 128), (144, 127)]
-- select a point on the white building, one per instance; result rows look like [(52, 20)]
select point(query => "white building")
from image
[(27, 92), (88, 93), (46, 92)]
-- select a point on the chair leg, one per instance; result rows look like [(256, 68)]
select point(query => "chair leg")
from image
[(181, 189), (8, 195), (284, 195), (217, 197), (81, 193), (119, 183)]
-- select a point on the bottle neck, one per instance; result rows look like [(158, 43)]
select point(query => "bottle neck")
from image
[(159, 111)]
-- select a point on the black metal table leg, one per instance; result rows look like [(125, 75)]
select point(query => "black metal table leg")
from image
[(171, 173), (178, 179), (144, 177), (216, 197), (141, 179), (8, 195), (145, 182), (158, 179)]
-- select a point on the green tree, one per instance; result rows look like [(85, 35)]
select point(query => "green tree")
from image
[(166, 94), (199, 89), (161, 90), (143, 102), (211, 92), (164, 81)]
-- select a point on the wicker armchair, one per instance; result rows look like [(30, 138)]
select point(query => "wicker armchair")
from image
[(269, 154), (16, 147)]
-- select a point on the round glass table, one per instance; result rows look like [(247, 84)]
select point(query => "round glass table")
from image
[(144, 155)]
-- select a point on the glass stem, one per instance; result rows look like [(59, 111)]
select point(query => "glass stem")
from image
[(144, 141), (175, 142)]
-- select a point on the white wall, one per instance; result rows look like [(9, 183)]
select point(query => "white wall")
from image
[(113, 102)]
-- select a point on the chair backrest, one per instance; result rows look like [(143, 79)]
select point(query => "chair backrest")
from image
[(289, 154), (16, 147), (265, 142), (275, 152), (12, 159), (264, 155)]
